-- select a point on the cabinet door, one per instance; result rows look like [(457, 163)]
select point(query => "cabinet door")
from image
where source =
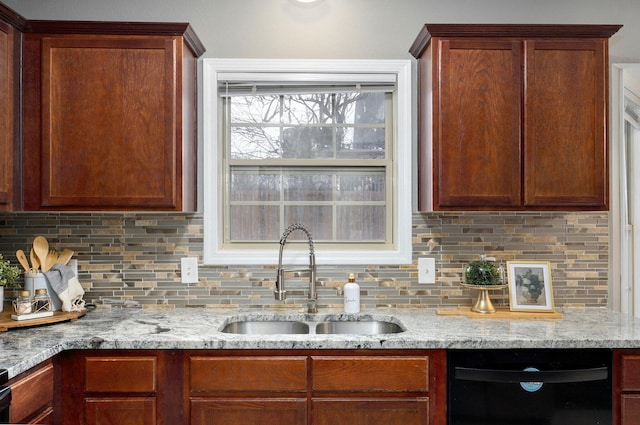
[(109, 108), (370, 412), (566, 101), (248, 411), (125, 375), (119, 387), (476, 146), (253, 390), (6, 116)]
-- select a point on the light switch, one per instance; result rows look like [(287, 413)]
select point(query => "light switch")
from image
[(427, 270), (189, 269)]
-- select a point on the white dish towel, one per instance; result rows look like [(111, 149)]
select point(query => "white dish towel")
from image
[(65, 283)]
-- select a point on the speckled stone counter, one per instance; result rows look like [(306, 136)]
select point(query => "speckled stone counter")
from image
[(133, 329)]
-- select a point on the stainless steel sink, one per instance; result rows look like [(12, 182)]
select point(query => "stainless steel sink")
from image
[(368, 327), (271, 327), (306, 326)]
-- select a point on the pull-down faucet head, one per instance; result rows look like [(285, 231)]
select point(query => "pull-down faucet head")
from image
[(280, 292)]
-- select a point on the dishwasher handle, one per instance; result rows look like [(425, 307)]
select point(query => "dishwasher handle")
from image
[(517, 376)]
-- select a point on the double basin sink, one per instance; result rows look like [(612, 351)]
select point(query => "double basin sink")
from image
[(355, 326)]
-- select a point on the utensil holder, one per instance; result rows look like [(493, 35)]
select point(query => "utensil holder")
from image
[(33, 281)]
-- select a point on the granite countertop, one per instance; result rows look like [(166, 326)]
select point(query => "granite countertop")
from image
[(199, 328)]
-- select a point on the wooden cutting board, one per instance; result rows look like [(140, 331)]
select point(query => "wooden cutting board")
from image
[(501, 313), (7, 323)]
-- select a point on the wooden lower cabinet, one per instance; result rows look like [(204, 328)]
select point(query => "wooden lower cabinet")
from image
[(315, 387), (120, 389), (123, 387), (32, 396), (252, 387), (227, 388), (371, 389), (626, 402)]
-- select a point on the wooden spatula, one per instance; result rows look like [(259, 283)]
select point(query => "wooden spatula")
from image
[(65, 256)]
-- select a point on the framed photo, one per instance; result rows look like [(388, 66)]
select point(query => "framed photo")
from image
[(530, 286)]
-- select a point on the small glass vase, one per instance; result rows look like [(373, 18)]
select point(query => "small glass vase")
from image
[(483, 275)]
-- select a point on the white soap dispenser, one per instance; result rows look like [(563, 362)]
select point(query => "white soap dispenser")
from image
[(351, 295)]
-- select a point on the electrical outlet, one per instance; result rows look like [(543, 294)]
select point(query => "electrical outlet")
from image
[(427, 270), (189, 269)]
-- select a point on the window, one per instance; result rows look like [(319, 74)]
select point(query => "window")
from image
[(323, 143)]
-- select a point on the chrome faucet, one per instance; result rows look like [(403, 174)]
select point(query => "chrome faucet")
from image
[(280, 292)]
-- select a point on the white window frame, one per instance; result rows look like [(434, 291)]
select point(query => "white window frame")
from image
[(624, 259), (214, 253)]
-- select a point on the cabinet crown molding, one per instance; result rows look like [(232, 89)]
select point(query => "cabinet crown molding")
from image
[(510, 30), (120, 28)]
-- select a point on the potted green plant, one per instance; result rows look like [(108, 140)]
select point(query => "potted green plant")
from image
[(482, 272), (8, 276)]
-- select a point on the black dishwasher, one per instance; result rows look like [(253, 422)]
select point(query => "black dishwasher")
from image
[(5, 397), (529, 387)]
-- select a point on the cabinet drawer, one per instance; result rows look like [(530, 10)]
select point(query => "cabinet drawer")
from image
[(248, 374), (370, 374), (630, 373), (32, 394), (121, 374)]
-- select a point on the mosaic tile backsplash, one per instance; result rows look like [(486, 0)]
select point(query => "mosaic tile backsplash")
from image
[(133, 259)]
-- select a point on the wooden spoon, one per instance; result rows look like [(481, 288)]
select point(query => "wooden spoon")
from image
[(22, 259), (65, 256), (41, 247), (34, 260)]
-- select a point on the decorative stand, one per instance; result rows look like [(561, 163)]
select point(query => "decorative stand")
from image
[(483, 304)]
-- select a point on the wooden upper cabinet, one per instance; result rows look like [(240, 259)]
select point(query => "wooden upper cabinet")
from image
[(513, 117), (10, 40), (565, 139), (477, 151), (110, 116), (6, 116)]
